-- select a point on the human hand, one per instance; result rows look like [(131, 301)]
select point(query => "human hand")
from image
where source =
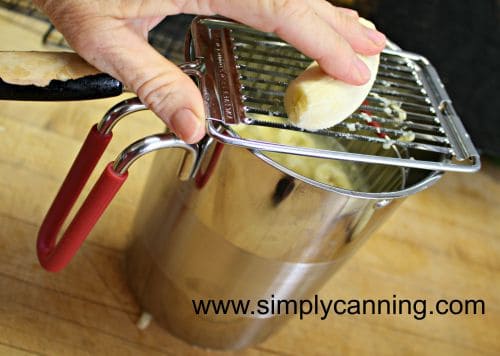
[(112, 35)]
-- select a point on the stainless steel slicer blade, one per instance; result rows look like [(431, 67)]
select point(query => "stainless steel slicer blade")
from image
[(243, 75)]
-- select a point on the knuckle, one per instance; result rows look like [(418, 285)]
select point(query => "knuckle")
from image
[(294, 9), (354, 12), (342, 20), (286, 12), (158, 91)]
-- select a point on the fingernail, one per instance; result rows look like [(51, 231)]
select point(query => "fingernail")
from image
[(378, 38), (185, 124), (362, 73)]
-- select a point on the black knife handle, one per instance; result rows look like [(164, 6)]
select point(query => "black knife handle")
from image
[(90, 87), (36, 76)]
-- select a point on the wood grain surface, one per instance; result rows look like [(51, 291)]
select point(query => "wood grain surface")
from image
[(441, 243)]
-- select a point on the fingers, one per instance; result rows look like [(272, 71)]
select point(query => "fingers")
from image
[(331, 35), (165, 89), (123, 52), (299, 24), (362, 39), (111, 36), (327, 34), (348, 12)]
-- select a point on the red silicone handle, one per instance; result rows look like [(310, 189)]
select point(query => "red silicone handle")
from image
[(52, 256)]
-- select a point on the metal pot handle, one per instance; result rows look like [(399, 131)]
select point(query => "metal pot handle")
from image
[(55, 256)]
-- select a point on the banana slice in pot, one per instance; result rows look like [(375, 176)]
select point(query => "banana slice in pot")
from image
[(332, 173), (316, 101)]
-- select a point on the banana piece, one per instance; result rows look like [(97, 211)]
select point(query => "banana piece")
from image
[(325, 171), (296, 139), (332, 173), (39, 68), (316, 101)]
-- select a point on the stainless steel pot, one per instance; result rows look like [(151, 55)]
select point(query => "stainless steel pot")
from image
[(252, 232), (222, 222)]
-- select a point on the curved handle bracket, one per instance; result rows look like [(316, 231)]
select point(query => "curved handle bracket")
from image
[(154, 143)]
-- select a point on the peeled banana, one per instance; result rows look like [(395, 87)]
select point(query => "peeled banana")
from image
[(316, 101)]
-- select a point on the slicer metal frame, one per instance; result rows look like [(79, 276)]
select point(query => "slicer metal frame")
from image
[(225, 78)]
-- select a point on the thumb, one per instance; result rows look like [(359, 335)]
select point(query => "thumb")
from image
[(159, 83), (170, 94)]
